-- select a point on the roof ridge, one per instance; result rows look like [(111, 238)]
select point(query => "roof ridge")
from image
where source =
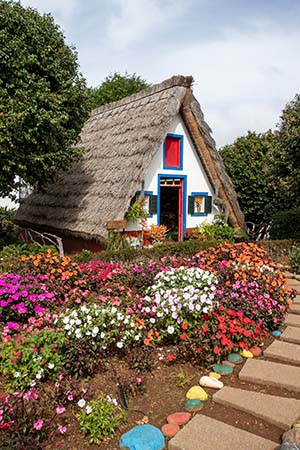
[(176, 80)]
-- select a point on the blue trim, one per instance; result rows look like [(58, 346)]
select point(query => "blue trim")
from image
[(146, 193), (203, 194), (184, 190), (176, 136)]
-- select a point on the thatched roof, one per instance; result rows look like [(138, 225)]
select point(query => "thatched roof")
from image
[(121, 139)]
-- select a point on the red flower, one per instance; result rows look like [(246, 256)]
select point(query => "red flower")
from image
[(183, 336), (170, 357), (205, 328), (200, 349), (230, 312), (217, 351), (184, 326)]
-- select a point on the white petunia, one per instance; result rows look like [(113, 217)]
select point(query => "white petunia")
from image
[(170, 329), (81, 403)]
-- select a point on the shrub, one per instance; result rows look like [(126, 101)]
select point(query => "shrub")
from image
[(295, 259), (286, 224), (81, 358), (212, 232), (8, 230), (99, 419)]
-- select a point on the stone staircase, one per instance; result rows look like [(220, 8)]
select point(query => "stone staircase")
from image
[(279, 369)]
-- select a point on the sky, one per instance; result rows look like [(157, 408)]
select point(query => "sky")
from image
[(242, 54)]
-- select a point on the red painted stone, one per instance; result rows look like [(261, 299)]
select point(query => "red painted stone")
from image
[(179, 418), (170, 429), (256, 351), (228, 363)]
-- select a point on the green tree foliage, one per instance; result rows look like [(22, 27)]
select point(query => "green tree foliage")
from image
[(43, 98), (115, 87), (247, 162), (286, 155)]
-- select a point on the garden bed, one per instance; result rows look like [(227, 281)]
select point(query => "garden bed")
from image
[(72, 332)]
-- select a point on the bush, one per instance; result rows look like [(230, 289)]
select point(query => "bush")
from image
[(212, 232), (8, 230), (286, 225), (295, 259)]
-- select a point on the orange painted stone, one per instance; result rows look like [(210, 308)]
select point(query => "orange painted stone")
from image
[(228, 363), (170, 429), (179, 418), (256, 351)]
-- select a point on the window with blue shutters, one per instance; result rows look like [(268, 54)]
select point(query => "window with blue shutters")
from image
[(199, 204)]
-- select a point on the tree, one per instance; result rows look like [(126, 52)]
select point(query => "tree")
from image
[(247, 163), (115, 87), (286, 155), (43, 98)]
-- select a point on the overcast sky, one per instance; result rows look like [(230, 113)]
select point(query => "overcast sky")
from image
[(243, 54)]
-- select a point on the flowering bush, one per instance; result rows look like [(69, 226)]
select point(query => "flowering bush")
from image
[(179, 295), (100, 418), (106, 326), (24, 296), (31, 358)]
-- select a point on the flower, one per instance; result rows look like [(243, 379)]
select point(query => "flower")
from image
[(170, 329), (60, 409), (81, 403), (88, 409), (38, 424), (62, 429)]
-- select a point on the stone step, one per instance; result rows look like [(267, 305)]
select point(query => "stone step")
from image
[(205, 433), (279, 411), (292, 320), (293, 283), (270, 373), (291, 334), (284, 352), (295, 308), (296, 300)]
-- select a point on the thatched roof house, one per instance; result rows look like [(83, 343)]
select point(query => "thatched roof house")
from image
[(121, 140)]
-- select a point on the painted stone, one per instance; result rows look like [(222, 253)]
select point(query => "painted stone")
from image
[(228, 363), (276, 333), (143, 437), (193, 405), (170, 429), (222, 370), (210, 382), (197, 392), (180, 418), (214, 375), (246, 354), (256, 351), (235, 358)]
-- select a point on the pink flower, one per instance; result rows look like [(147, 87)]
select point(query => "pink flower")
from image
[(60, 409), (70, 397), (38, 424), (62, 429)]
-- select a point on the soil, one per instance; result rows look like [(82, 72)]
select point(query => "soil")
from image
[(165, 389)]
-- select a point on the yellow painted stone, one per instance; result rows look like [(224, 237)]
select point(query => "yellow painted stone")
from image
[(197, 392), (214, 375), (246, 354)]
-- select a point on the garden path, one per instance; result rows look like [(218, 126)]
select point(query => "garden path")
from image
[(279, 367)]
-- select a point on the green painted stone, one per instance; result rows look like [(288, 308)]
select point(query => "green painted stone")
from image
[(235, 358), (222, 369), (193, 405)]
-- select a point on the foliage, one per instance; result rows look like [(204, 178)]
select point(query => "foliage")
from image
[(100, 418), (285, 159), (247, 162), (43, 98), (142, 359), (116, 241), (115, 87), (21, 248), (295, 259), (136, 211), (286, 224), (8, 230), (81, 358), (212, 232), (31, 358)]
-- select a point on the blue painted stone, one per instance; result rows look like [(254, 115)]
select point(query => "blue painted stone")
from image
[(143, 437), (276, 333)]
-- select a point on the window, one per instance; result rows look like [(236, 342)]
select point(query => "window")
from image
[(199, 204), (173, 152)]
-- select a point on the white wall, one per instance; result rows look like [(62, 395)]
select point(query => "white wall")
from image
[(197, 180)]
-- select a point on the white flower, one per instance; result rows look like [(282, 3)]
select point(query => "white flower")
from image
[(113, 310), (102, 335), (95, 330), (81, 403), (66, 320), (88, 409), (120, 344), (17, 374), (170, 330), (51, 365)]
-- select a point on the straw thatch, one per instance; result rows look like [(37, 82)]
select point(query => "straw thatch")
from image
[(121, 139)]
